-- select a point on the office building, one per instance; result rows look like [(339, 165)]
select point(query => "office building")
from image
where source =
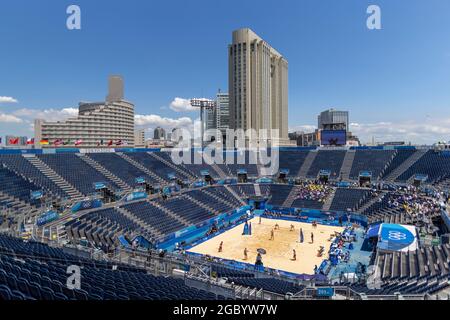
[(159, 134), (223, 111), (139, 138), (258, 85), (333, 119), (210, 119)]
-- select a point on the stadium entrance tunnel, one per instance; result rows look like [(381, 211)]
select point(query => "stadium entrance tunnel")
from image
[(324, 176), (242, 176), (365, 178), (419, 179), (257, 202), (207, 176), (107, 195), (282, 175)]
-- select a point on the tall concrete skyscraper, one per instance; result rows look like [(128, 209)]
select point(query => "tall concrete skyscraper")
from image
[(223, 111), (115, 93), (258, 85), (159, 134)]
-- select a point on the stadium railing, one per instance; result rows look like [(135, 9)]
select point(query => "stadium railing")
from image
[(349, 294)]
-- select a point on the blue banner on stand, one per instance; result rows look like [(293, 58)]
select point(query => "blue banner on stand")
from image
[(99, 185), (36, 195), (264, 180), (171, 176), (87, 204), (325, 292), (46, 218), (199, 184), (136, 196), (140, 180)]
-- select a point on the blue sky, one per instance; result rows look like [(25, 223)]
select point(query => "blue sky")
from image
[(395, 82)]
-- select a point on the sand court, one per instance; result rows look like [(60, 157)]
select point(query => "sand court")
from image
[(279, 252)]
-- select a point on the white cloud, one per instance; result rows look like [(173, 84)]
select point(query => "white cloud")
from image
[(427, 131), (303, 128), (424, 132), (8, 118), (158, 121), (182, 105), (8, 100), (46, 114)]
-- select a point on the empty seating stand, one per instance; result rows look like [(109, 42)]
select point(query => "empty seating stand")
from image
[(28, 171), (434, 164), (154, 165), (292, 161), (121, 168), (348, 199), (16, 187), (327, 160), (34, 271), (154, 216), (375, 161), (279, 193), (77, 172), (425, 270)]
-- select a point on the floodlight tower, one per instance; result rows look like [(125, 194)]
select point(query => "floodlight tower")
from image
[(203, 104)]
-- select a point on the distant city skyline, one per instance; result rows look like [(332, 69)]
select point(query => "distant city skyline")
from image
[(394, 82)]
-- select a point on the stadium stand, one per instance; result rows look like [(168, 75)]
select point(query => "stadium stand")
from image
[(327, 160), (123, 169), (434, 164), (425, 270), (292, 160), (398, 159), (349, 199), (38, 272), (76, 171), (24, 168), (154, 216), (279, 193), (14, 186), (374, 161), (155, 166), (34, 270)]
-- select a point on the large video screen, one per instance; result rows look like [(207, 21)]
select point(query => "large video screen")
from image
[(333, 137)]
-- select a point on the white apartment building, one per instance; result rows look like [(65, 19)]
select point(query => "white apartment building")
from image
[(98, 124)]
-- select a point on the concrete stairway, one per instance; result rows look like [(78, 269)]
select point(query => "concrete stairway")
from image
[(405, 165), (111, 176), (235, 195), (172, 214), (17, 204), (307, 164), (329, 201), (215, 167), (370, 203), (139, 222), (184, 173), (202, 205), (219, 171), (290, 198), (216, 197), (257, 190), (69, 189), (347, 164), (142, 168)]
